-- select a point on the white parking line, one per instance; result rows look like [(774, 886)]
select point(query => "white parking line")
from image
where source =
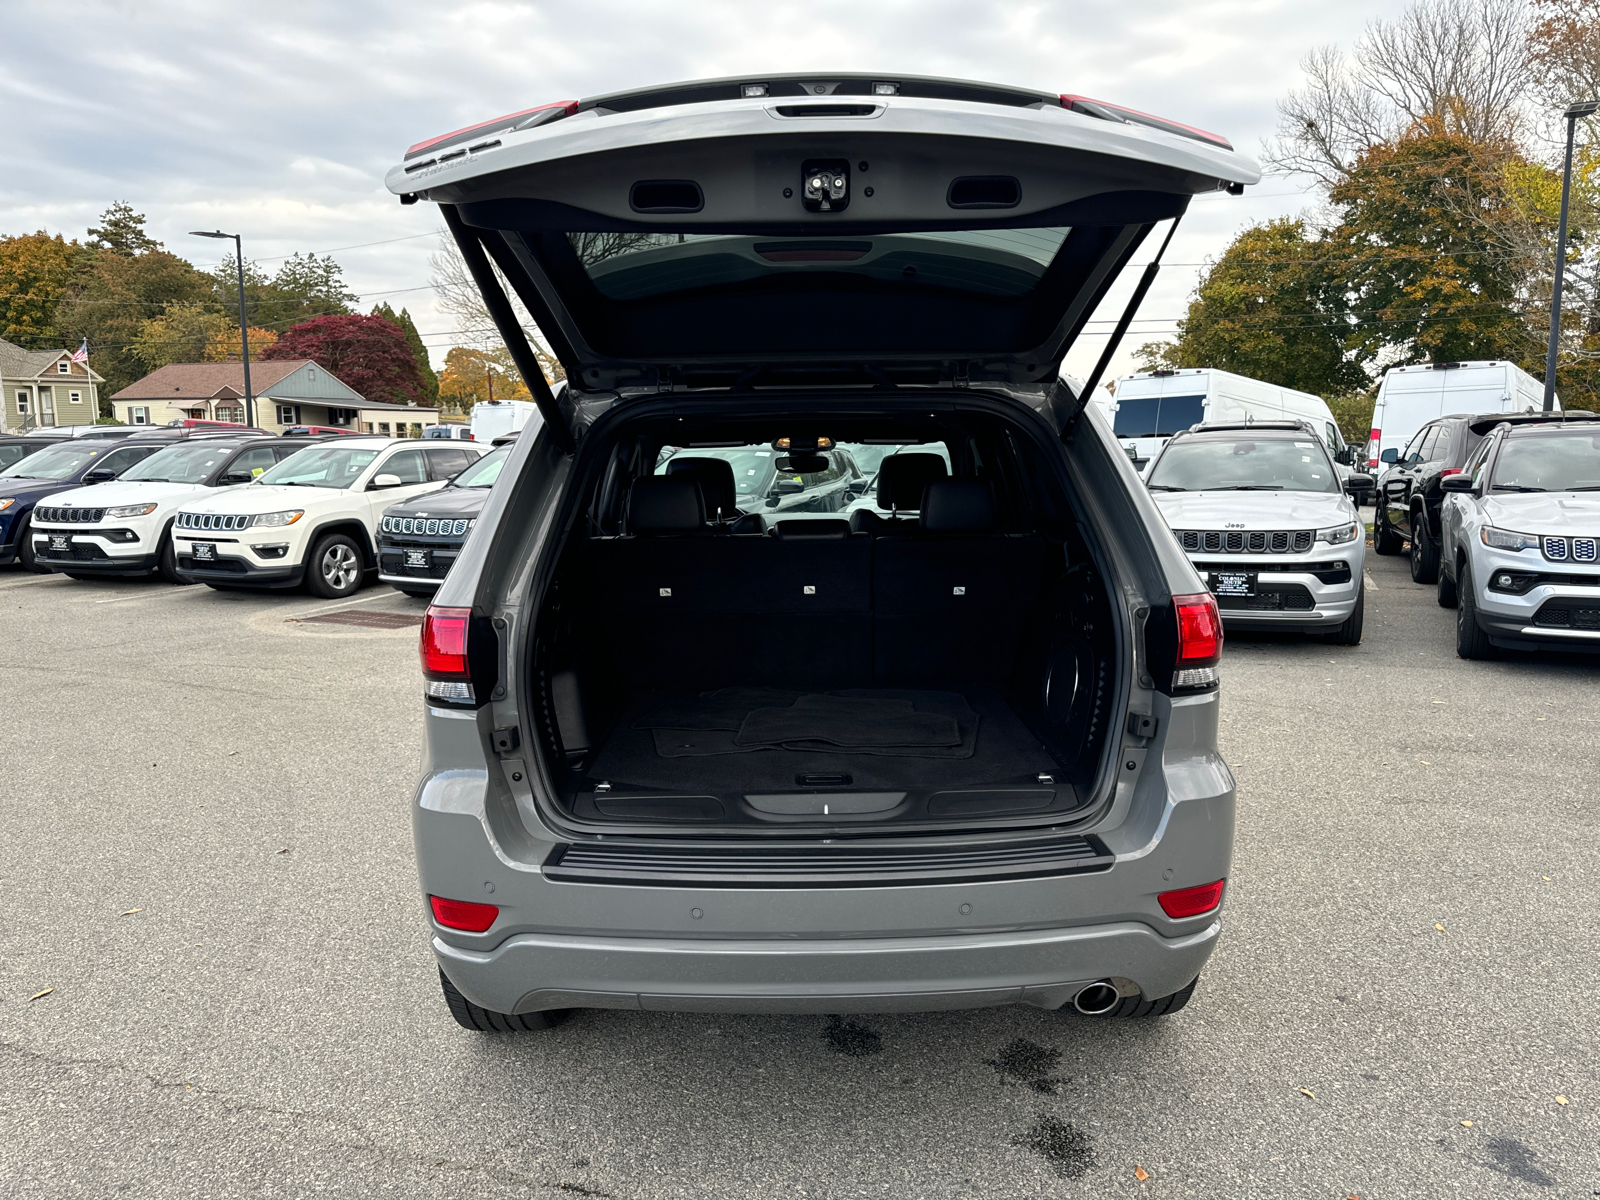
[(373, 595), (34, 582), (1367, 576)]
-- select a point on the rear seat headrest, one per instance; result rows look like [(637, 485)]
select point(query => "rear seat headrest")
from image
[(824, 527), (715, 477), (664, 504), (902, 478), (958, 506)]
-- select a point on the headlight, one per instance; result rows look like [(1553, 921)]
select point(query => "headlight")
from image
[(278, 518), (1339, 534), (1504, 539), (131, 510), (6, 502)]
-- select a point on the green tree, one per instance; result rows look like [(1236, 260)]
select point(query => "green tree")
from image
[(305, 286), (1273, 308), (430, 378), (35, 272), (121, 231), (179, 335)]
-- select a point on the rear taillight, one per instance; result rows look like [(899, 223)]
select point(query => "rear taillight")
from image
[(446, 671), (1187, 902), (471, 917), (1372, 447), (1199, 640)]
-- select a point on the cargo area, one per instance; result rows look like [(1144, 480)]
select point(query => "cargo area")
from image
[(893, 622)]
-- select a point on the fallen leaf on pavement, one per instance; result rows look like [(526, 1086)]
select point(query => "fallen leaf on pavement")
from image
[(1439, 927), (1468, 1124), (36, 995), (129, 912), (285, 850), (1308, 1092), (1561, 1099), (1140, 1173)]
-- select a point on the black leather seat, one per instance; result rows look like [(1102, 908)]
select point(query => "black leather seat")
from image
[(950, 600), (902, 478)]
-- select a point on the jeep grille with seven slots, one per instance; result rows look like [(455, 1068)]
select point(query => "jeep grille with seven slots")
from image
[(1239, 541), (216, 521)]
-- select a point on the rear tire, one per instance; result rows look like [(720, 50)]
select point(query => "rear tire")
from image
[(1471, 640), (1424, 552), (1384, 539), (25, 557), (480, 1020), (336, 567), (1348, 633), (1447, 591), (1138, 1007), (167, 563)]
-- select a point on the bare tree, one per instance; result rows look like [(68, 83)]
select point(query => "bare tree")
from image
[(458, 296), (1460, 63)]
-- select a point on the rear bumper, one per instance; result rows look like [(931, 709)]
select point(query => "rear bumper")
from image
[(1044, 968)]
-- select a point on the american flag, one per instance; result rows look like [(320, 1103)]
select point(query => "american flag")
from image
[(81, 354)]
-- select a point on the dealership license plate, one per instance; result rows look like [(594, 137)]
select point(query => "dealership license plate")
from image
[(204, 551), (61, 541), (1233, 583), (418, 558)]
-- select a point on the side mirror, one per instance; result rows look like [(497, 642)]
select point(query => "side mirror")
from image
[(1391, 455), (788, 487), (1358, 485), (1345, 457), (1458, 483), (384, 480), (236, 477), (99, 475)]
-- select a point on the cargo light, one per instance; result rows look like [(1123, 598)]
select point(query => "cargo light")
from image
[(1199, 640), (445, 670), (472, 917), (1185, 902)]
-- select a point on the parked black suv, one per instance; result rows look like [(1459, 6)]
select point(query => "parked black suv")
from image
[(1409, 491), (418, 539)]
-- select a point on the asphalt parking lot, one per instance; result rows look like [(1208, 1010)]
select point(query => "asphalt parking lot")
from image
[(205, 855)]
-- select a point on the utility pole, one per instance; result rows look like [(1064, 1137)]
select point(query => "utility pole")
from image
[(1581, 109), (244, 325)]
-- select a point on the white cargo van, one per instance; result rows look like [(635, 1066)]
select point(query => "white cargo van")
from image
[(1410, 397), (1150, 407), (496, 418)]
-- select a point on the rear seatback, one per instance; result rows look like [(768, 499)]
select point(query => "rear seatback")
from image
[(952, 599)]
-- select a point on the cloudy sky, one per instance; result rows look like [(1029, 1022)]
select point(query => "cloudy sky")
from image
[(279, 120)]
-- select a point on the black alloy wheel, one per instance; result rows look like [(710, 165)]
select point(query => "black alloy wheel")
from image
[(1424, 552), (1384, 539)]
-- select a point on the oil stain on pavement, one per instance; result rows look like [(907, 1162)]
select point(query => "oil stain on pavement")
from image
[(848, 1038), (1021, 1061), (1063, 1145)]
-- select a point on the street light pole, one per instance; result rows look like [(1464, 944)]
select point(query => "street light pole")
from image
[(244, 325), (1582, 109)]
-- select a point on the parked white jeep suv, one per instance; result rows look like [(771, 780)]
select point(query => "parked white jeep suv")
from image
[(1259, 511), (313, 518)]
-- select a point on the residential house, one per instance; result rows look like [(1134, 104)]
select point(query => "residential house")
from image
[(287, 393), (45, 388)]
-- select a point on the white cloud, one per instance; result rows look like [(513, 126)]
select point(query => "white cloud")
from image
[(279, 120)]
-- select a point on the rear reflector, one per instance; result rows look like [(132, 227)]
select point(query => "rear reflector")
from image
[(1185, 902), (444, 654), (470, 917)]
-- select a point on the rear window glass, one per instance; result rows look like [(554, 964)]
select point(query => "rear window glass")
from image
[(993, 262), (1158, 416)]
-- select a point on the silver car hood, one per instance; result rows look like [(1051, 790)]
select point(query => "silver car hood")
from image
[(1253, 510), (1550, 512)]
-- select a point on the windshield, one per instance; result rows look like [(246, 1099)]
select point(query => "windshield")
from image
[(1157, 416), (324, 467), (1242, 464), (484, 472), (994, 262), (56, 462), (1565, 462), (179, 464)]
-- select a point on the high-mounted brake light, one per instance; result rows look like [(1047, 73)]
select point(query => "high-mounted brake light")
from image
[(494, 124), (445, 670), (1199, 640), (465, 915), (1116, 112), (1189, 901)]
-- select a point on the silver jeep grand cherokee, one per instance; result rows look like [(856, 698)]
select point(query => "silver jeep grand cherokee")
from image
[(685, 752)]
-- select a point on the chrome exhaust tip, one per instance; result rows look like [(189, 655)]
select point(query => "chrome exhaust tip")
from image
[(1097, 999)]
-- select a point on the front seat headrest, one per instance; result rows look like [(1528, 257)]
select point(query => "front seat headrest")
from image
[(902, 477), (715, 477), (958, 506), (662, 504)]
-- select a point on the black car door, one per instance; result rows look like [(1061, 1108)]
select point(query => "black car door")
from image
[(1397, 483)]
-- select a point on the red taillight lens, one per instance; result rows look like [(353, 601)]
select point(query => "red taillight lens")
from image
[(444, 643), (1449, 471), (470, 917), (1199, 630), (1372, 447), (1190, 901)]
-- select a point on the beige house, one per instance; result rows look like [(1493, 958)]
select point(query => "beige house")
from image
[(289, 393), (45, 388)]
